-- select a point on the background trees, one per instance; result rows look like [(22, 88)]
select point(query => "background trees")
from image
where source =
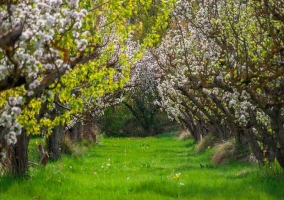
[(136, 112)]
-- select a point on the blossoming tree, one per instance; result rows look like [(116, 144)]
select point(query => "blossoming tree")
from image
[(223, 73), (48, 48)]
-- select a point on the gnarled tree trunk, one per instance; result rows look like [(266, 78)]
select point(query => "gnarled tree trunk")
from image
[(18, 155)]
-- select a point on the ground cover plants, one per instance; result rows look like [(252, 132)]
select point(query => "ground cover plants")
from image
[(161, 167), (72, 70)]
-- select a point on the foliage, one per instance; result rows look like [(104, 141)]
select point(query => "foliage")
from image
[(119, 121), (66, 54)]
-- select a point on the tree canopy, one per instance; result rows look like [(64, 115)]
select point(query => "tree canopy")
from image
[(222, 71), (65, 53)]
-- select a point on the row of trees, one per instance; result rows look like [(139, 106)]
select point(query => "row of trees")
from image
[(58, 58), (221, 72)]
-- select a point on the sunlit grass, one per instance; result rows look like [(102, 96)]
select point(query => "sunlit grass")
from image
[(143, 168)]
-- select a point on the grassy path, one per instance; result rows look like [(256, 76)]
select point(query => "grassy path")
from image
[(148, 168)]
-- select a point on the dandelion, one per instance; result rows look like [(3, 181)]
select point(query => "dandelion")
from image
[(177, 175)]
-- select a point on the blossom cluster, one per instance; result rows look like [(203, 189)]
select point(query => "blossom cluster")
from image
[(8, 119), (35, 53), (218, 70)]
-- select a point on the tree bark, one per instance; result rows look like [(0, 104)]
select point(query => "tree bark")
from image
[(18, 155), (54, 142), (43, 155), (253, 143), (277, 122), (89, 131), (75, 132)]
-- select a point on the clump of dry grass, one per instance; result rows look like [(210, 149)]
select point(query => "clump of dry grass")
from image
[(225, 151), (184, 135), (69, 148), (207, 142), (230, 150)]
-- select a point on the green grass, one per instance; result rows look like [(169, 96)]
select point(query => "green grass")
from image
[(142, 168)]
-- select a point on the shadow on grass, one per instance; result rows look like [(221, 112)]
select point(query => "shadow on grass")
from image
[(190, 144), (8, 180), (201, 190), (165, 135)]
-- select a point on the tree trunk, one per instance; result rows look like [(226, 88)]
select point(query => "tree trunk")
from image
[(75, 132), (280, 157), (43, 155), (18, 155), (277, 122), (54, 142), (89, 131), (253, 143)]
